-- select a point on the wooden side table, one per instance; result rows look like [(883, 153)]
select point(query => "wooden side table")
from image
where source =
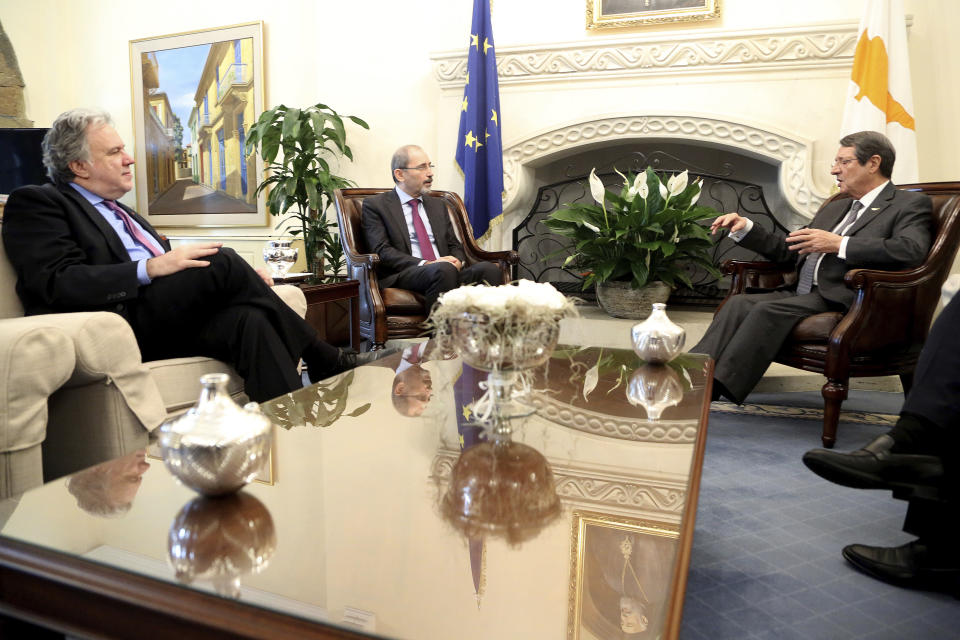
[(321, 302)]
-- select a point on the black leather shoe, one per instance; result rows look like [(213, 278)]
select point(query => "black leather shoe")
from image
[(350, 359), (913, 565), (347, 359), (874, 466)]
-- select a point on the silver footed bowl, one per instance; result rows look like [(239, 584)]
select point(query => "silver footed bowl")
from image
[(501, 345), (216, 447)]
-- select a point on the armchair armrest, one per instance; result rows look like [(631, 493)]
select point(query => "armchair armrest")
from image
[(762, 274), (869, 326), (36, 359)]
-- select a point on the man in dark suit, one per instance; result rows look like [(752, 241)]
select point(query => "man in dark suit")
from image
[(879, 227), (919, 460), (412, 234), (74, 248)]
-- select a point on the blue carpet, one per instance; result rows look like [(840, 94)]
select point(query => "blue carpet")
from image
[(766, 557)]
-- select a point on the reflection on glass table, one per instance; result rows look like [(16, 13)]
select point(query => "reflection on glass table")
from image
[(358, 529), (221, 540)]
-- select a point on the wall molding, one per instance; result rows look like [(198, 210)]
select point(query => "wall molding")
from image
[(816, 47), (792, 154)]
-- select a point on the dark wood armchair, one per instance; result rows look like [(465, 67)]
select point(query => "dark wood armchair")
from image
[(398, 313), (884, 329)]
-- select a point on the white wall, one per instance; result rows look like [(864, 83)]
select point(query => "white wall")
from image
[(371, 59)]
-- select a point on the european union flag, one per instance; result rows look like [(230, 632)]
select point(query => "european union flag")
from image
[(479, 151)]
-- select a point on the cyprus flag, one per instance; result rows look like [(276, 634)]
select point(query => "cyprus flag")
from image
[(879, 97)]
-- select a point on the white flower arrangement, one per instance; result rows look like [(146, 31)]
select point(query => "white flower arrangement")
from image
[(502, 327), (523, 298)]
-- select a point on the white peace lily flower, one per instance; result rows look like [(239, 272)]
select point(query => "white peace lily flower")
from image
[(591, 227), (677, 183), (695, 198), (663, 189), (640, 184), (596, 187)]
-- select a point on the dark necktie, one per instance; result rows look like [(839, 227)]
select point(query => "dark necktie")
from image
[(805, 280), (423, 238), (132, 229)]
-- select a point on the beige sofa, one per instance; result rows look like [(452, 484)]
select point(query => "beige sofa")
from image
[(75, 392)]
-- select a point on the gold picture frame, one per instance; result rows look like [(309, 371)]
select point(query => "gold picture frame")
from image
[(606, 14), (621, 577), (195, 96)]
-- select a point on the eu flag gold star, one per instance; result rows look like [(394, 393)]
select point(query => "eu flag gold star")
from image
[(486, 45), (463, 105), (474, 41), (468, 77), (494, 116), (469, 139)]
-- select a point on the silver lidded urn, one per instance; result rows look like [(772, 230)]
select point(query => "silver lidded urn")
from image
[(279, 256), (216, 447), (657, 339)]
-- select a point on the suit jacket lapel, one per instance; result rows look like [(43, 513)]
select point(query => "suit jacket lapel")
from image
[(880, 204), (831, 218), (396, 220), (111, 237)]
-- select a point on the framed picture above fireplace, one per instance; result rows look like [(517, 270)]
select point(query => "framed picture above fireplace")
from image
[(604, 14)]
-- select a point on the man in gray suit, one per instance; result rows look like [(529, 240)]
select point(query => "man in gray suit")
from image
[(412, 234), (879, 227)]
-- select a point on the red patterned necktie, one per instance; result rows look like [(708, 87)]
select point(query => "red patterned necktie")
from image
[(423, 238), (132, 229)]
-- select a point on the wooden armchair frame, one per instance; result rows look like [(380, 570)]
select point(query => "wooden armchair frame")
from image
[(398, 313), (884, 330)]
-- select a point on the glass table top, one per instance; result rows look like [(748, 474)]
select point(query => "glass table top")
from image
[(371, 518)]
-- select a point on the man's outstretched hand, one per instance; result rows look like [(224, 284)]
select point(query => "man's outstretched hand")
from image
[(183, 257), (732, 222)]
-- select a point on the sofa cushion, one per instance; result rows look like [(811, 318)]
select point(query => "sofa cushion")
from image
[(107, 353), (179, 380), (36, 358)]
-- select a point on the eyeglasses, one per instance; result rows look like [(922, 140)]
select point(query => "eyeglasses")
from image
[(422, 167), (842, 161)]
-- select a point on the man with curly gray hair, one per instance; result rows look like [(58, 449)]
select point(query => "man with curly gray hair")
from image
[(75, 248)]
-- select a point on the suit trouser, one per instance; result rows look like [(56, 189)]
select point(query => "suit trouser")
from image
[(433, 279), (225, 311), (749, 330)]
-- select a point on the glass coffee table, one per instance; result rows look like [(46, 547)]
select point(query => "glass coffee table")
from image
[(375, 519)]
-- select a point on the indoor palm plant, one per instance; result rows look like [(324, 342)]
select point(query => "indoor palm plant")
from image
[(308, 142), (642, 238)]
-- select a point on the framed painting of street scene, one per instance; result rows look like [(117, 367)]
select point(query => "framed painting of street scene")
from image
[(621, 576), (602, 14), (195, 97)]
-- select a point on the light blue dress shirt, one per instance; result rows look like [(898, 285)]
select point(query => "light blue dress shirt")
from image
[(138, 254)]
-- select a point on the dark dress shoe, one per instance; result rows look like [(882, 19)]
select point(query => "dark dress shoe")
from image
[(914, 565), (348, 359), (875, 466)]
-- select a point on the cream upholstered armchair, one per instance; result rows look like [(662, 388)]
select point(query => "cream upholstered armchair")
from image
[(76, 393)]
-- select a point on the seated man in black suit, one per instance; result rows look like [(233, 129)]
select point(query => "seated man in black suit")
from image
[(920, 455), (881, 227), (74, 248), (412, 234)]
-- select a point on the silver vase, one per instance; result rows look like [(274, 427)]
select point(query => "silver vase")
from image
[(216, 447), (656, 339)]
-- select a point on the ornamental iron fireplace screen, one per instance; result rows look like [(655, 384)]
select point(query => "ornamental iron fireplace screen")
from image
[(542, 252)]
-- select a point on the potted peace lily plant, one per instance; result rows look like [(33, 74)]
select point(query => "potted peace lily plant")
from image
[(635, 245)]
